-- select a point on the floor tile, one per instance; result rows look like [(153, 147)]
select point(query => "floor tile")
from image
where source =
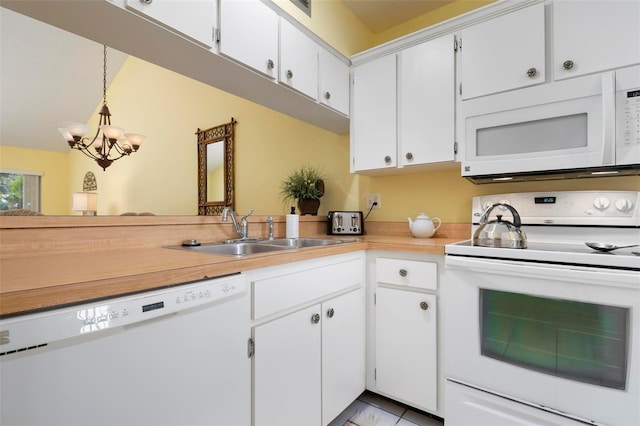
[(374, 416), (381, 402), (420, 419), (371, 416)]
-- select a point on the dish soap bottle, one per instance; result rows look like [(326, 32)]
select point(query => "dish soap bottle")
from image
[(292, 223)]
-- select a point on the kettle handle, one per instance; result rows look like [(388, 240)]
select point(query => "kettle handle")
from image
[(439, 223), (514, 212)]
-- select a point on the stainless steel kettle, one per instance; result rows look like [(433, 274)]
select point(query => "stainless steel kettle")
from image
[(500, 233)]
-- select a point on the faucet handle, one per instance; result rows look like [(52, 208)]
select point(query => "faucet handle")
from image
[(247, 215)]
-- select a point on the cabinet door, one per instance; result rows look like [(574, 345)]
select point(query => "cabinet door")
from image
[(504, 53), (426, 102), (373, 118), (592, 36), (333, 82), (192, 18), (298, 60), (287, 370), (406, 351), (249, 34), (343, 354)]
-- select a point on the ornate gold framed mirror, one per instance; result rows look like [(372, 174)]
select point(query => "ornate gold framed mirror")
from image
[(215, 168)]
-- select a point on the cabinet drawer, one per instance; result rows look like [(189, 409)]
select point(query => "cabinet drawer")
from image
[(285, 291), (411, 273)]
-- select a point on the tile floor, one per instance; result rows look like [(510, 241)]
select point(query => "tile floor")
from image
[(380, 411)]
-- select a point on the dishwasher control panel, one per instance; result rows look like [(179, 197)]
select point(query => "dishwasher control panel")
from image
[(19, 334)]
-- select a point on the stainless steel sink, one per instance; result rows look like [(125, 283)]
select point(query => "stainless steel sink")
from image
[(261, 246), (303, 242), (232, 249)]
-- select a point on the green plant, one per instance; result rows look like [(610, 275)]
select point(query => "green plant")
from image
[(304, 183)]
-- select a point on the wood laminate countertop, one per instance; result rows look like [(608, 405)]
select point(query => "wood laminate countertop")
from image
[(30, 283)]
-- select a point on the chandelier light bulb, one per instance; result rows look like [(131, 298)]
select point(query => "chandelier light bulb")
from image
[(135, 140)]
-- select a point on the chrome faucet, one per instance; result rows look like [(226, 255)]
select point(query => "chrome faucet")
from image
[(242, 229), (270, 227)]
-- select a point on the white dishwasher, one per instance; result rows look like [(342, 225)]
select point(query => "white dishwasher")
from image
[(176, 356)]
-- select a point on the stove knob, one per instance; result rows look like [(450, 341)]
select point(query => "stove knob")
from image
[(601, 203), (624, 205)]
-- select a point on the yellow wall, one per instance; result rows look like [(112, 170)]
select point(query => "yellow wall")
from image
[(168, 108), (54, 167), (445, 194), (162, 176)]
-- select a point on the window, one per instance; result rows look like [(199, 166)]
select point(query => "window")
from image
[(20, 190)]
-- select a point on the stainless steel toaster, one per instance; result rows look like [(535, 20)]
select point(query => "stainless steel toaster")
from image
[(345, 223)]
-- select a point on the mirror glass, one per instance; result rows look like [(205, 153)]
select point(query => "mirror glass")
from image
[(215, 171), (215, 168)]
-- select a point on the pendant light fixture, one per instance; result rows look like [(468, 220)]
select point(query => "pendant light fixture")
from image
[(110, 142)]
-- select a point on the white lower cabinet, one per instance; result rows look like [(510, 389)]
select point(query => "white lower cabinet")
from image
[(343, 328), (287, 370), (309, 354), (406, 346), (403, 350)]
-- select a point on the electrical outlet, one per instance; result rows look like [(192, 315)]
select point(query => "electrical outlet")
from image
[(373, 198)]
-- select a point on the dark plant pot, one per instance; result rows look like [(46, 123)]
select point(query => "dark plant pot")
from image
[(309, 207)]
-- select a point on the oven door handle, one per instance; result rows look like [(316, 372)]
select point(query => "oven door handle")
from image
[(554, 272)]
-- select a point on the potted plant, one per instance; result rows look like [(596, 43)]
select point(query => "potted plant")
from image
[(306, 186)]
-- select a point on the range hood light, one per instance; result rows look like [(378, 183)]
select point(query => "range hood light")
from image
[(502, 179)]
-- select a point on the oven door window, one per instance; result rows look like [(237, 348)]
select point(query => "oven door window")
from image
[(579, 341)]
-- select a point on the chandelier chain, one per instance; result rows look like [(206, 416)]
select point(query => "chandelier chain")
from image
[(104, 76)]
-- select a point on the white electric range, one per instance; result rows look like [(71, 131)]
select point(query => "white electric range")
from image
[(550, 333)]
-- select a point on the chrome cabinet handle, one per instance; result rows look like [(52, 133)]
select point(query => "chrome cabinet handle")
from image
[(330, 312), (424, 306), (327, 95), (409, 156), (289, 74), (270, 64), (403, 272), (531, 72), (387, 159), (315, 318), (568, 64), (146, 1)]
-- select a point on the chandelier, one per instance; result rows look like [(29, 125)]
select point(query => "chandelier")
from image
[(110, 142)]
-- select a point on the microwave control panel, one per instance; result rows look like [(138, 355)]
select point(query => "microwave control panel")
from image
[(628, 116)]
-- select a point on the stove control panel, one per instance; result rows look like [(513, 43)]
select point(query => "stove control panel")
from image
[(591, 208)]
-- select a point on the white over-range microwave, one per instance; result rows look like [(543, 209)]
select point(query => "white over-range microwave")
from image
[(583, 126)]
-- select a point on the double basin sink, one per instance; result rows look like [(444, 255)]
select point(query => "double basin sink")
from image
[(244, 248)]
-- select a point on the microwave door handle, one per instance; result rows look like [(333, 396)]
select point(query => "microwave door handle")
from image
[(608, 118)]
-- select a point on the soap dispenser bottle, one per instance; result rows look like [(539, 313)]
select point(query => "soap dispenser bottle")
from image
[(292, 223)]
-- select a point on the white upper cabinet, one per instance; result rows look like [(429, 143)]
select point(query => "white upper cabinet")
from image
[(426, 102), (298, 60), (333, 75), (404, 108), (593, 36), (373, 116), (194, 19), (249, 35), (504, 53)]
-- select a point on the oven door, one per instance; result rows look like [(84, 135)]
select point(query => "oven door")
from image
[(560, 126), (556, 336)]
